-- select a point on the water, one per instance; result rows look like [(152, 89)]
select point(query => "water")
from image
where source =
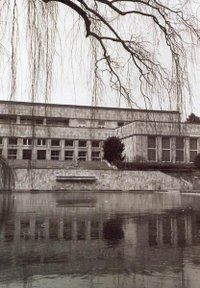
[(104, 240)]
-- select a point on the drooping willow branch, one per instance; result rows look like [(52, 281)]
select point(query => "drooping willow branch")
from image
[(151, 72)]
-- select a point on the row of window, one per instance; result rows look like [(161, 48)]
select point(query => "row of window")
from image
[(55, 155), (54, 142), (53, 121), (166, 149)]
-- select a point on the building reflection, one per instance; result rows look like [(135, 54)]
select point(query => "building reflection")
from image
[(95, 241)]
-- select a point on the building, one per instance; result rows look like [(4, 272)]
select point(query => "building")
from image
[(35, 131)]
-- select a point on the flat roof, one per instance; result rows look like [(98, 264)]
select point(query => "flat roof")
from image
[(85, 106)]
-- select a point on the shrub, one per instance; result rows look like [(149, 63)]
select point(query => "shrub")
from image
[(197, 161), (113, 149)]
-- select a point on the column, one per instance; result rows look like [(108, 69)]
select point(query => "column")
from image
[(32, 226), (75, 150), (100, 228), (46, 228), (188, 229), (17, 228), (89, 151), (48, 147), (159, 148), (159, 230), (88, 230), (187, 149), (18, 120), (173, 149), (174, 231), (60, 228), (34, 149), (62, 149), (74, 229), (19, 148), (5, 148)]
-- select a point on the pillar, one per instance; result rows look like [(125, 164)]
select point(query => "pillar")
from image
[(88, 230), (74, 229), (60, 228), (188, 229), (159, 230), (174, 231)]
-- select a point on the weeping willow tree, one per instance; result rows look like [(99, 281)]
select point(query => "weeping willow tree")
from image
[(136, 45)]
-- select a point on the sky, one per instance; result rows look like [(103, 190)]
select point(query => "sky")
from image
[(73, 76)]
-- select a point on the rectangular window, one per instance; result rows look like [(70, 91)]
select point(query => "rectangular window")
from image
[(27, 141), (179, 149), (96, 156), (41, 142), (95, 144), (55, 142), (69, 155), (1, 152), (120, 123), (69, 143), (101, 124), (41, 154), (82, 155), (12, 153), (27, 154), (193, 149), (82, 123), (12, 141), (58, 121), (1, 140), (8, 119), (166, 149), (82, 143), (55, 154), (151, 148)]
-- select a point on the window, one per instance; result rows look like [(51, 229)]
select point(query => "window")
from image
[(12, 153), (82, 143), (38, 121), (166, 155), (193, 149), (12, 141), (82, 122), (69, 155), (41, 142), (179, 149), (69, 143), (1, 152), (55, 142), (120, 123), (1, 140), (41, 154), (95, 144), (55, 154), (27, 154), (27, 141), (8, 119), (26, 120), (58, 121), (82, 155), (151, 148), (95, 156), (101, 124)]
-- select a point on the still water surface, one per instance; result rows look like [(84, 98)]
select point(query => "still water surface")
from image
[(105, 240)]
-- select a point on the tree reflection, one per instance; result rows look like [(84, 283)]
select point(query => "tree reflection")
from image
[(113, 230)]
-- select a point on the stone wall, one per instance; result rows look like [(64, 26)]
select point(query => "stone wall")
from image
[(45, 179)]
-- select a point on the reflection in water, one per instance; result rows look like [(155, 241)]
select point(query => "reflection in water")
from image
[(125, 240)]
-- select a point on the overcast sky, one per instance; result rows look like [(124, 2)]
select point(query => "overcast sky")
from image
[(73, 76)]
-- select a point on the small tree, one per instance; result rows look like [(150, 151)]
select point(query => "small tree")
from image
[(113, 149), (197, 161)]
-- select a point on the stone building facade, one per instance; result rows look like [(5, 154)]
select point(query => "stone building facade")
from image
[(35, 131)]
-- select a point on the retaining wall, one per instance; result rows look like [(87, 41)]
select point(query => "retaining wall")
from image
[(45, 179)]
